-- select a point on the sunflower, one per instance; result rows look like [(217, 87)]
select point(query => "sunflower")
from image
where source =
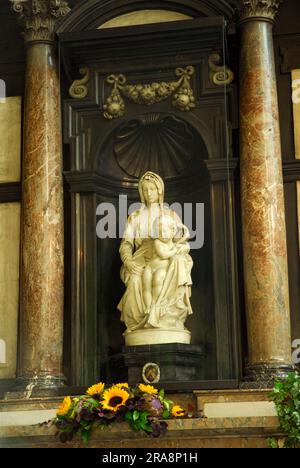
[(177, 411), (122, 385), (147, 389), (113, 398), (95, 389), (64, 407)]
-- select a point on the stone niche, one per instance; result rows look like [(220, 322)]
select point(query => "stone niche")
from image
[(107, 148)]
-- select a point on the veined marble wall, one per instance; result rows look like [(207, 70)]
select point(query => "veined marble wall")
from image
[(144, 17), (10, 170), (9, 286), (296, 112), (10, 139)]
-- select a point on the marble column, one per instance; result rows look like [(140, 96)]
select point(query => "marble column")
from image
[(263, 214), (42, 274)]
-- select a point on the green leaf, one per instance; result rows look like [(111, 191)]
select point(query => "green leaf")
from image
[(161, 394), (134, 426), (94, 403), (144, 416), (166, 414), (148, 428), (128, 416), (135, 415), (167, 405), (286, 396), (85, 434), (272, 442)]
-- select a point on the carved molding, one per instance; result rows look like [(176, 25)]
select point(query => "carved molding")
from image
[(150, 93), (221, 75), (38, 17), (222, 169), (260, 8), (78, 89)]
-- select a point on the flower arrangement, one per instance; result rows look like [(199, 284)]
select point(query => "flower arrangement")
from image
[(142, 407)]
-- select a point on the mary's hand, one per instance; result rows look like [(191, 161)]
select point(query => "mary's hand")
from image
[(182, 248), (133, 268)]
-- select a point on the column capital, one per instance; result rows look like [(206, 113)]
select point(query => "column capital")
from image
[(38, 17), (259, 9)]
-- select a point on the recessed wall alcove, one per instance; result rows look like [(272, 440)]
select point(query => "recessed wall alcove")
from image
[(104, 158)]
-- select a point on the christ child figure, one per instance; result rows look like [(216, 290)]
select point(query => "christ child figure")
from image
[(156, 269)]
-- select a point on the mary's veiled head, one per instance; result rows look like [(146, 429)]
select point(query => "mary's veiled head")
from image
[(151, 188)]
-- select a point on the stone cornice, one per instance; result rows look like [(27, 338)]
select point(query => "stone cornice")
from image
[(264, 9), (38, 17)]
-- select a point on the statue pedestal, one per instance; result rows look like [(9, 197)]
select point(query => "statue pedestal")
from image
[(173, 362), (151, 336)]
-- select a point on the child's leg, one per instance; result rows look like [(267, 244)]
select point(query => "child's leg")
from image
[(147, 286), (157, 283)]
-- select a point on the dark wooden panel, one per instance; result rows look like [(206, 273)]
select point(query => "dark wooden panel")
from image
[(10, 192), (291, 170), (288, 20), (84, 323), (12, 51), (5, 386), (293, 255)]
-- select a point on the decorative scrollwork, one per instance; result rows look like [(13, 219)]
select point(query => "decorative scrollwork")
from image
[(221, 75), (150, 93), (78, 89)]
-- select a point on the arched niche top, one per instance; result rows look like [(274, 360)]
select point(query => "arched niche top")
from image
[(138, 17), (163, 142), (92, 14)]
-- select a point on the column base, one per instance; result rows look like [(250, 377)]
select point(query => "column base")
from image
[(264, 375), (36, 386)]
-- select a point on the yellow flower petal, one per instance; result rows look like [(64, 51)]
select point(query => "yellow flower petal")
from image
[(122, 385), (113, 398), (95, 389), (177, 411), (147, 389), (64, 407)]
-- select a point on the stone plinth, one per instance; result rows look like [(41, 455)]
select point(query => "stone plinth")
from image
[(235, 403), (176, 361), (238, 432)]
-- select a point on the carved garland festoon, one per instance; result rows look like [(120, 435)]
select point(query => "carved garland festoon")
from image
[(260, 8), (151, 93), (38, 17)]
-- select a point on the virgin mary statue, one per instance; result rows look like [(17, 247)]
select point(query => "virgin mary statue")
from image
[(156, 270)]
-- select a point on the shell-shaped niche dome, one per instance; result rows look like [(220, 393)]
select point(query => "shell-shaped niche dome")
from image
[(157, 142)]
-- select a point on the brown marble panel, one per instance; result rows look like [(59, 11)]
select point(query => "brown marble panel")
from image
[(204, 433)]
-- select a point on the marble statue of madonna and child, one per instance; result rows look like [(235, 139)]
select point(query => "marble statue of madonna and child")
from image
[(156, 270)]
